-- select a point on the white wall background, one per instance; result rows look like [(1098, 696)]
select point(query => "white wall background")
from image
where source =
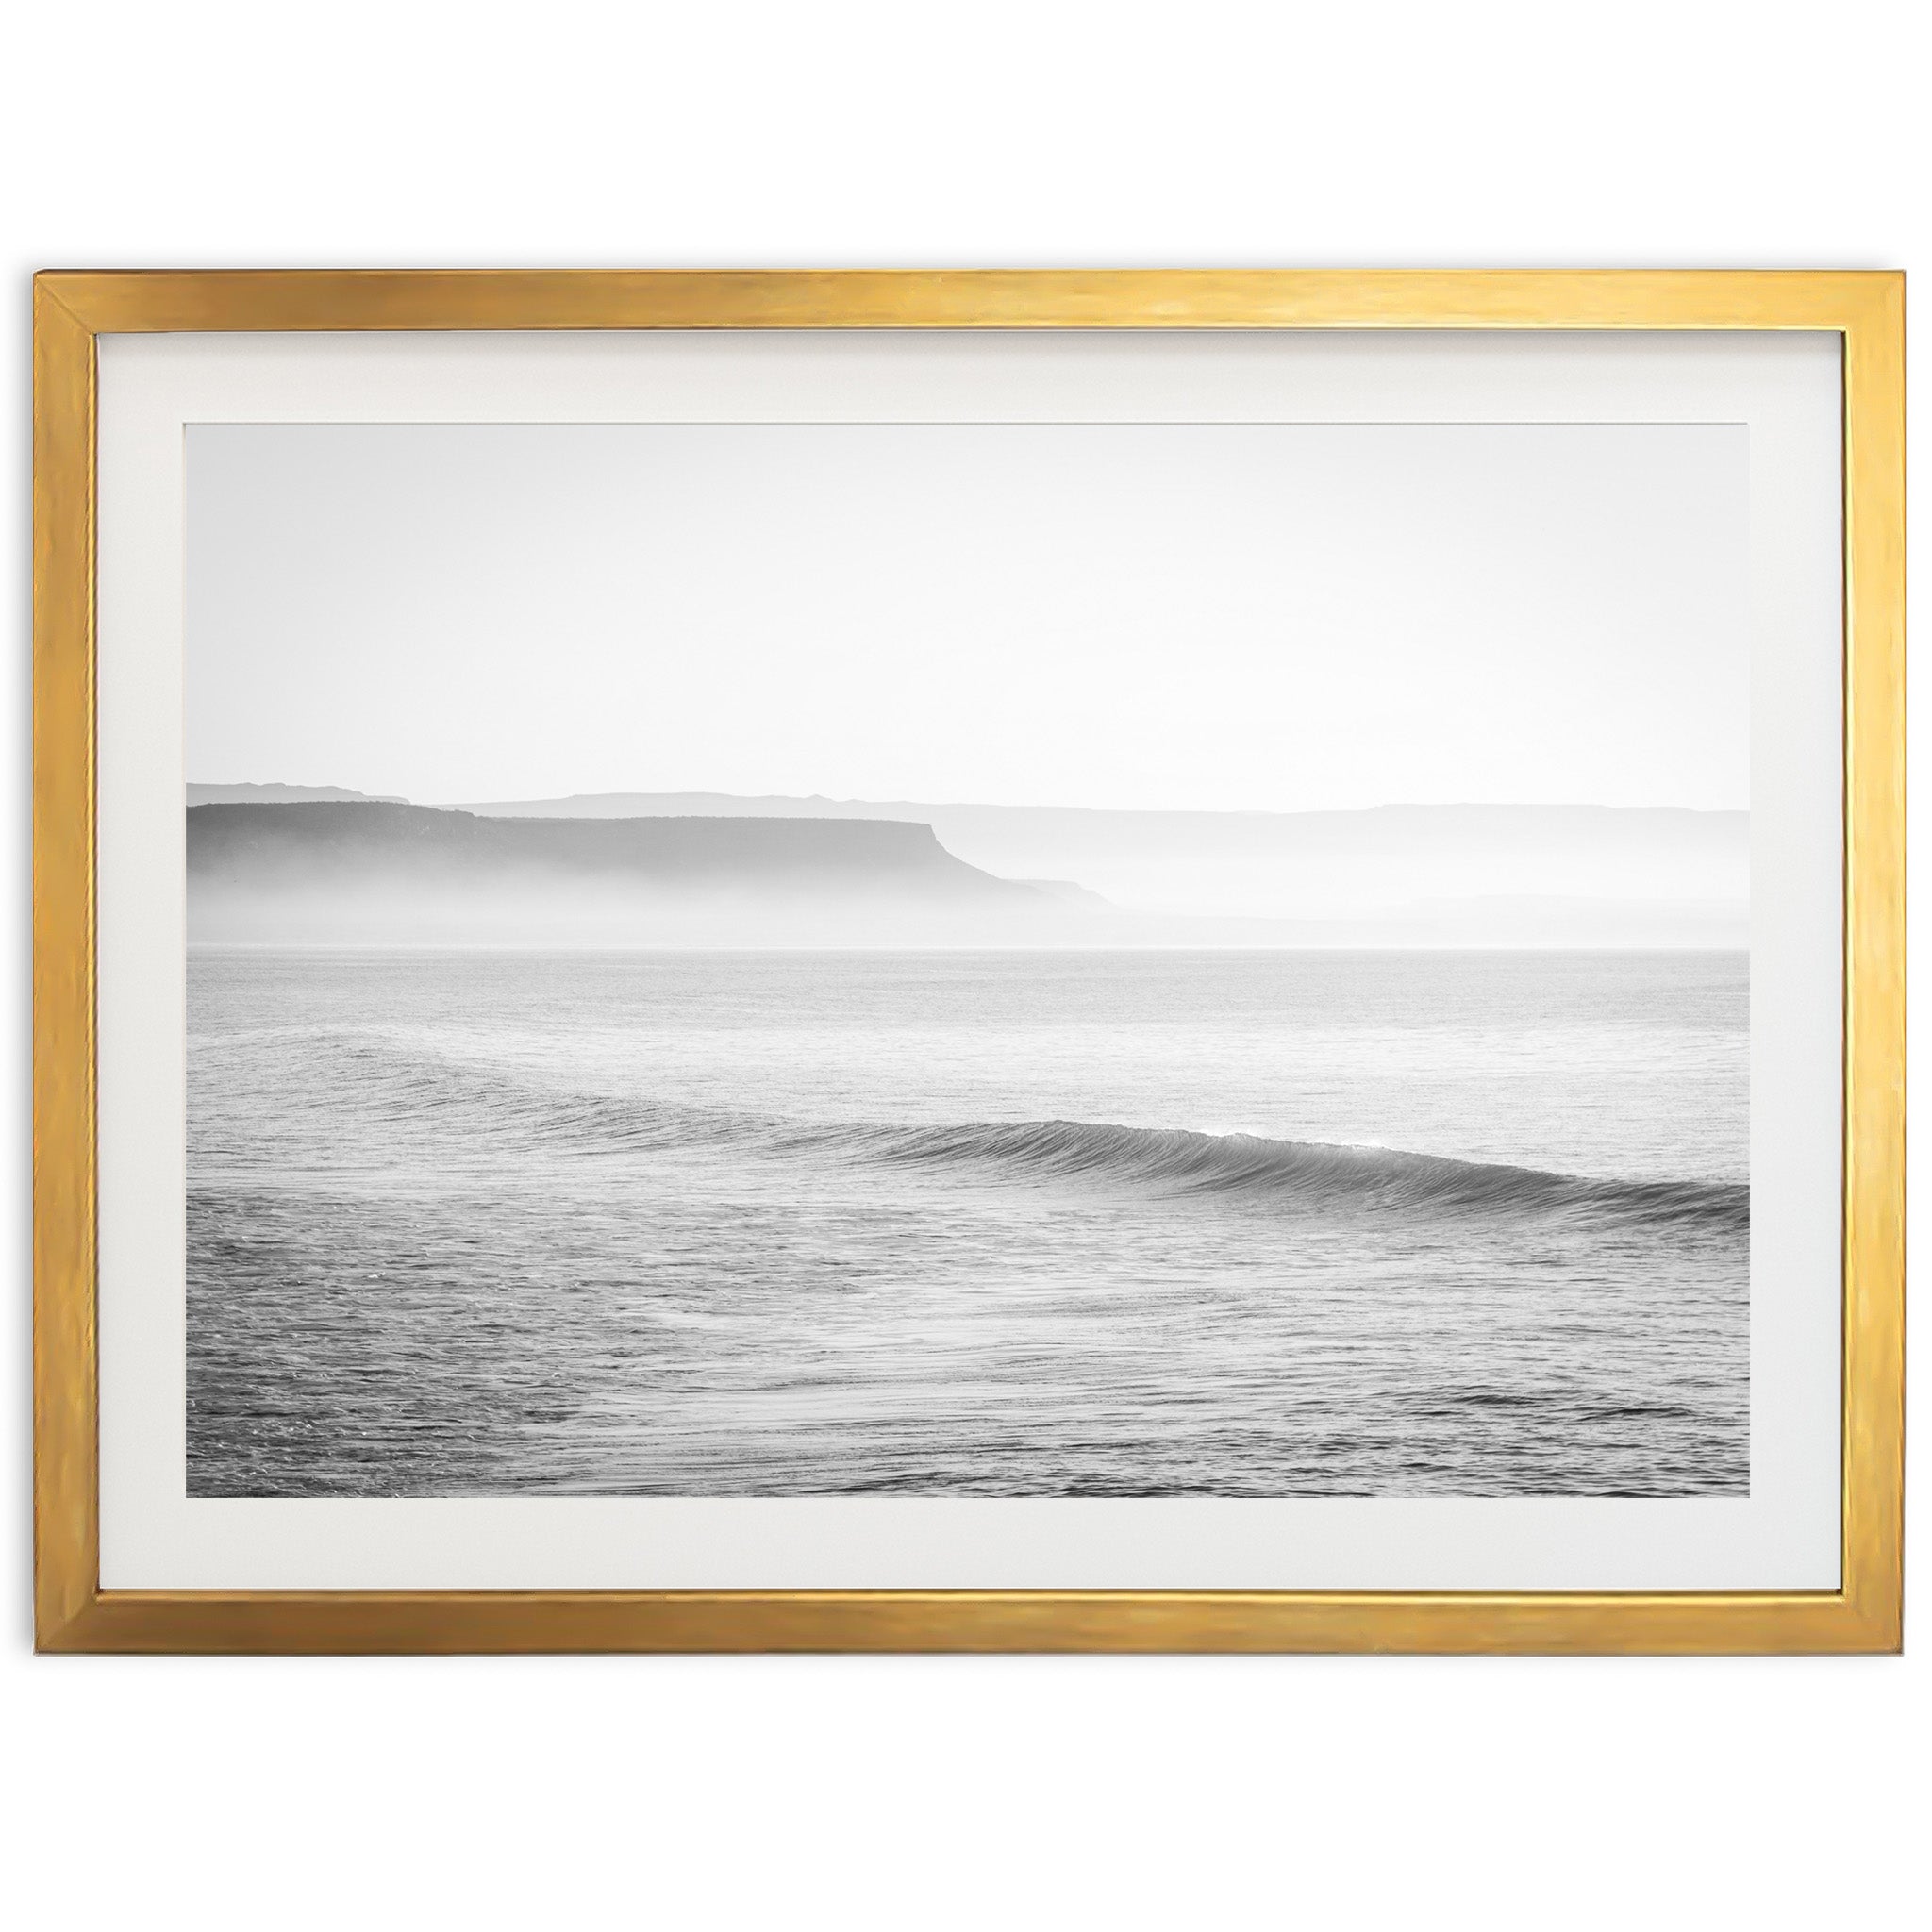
[(1355, 1792)]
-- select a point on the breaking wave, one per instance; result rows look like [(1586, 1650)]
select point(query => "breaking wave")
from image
[(1175, 1161), (1171, 1162)]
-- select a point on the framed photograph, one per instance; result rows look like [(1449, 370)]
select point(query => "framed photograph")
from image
[(982, 961)]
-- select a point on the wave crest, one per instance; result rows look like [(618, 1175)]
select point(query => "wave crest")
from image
[(1172, 1161), (1303, 1172)]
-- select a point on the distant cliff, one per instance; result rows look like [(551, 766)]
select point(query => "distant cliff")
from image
[(284, 795), (375, 871), (1342, 868)]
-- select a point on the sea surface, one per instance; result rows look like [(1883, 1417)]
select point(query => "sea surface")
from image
[(1242, 1224)]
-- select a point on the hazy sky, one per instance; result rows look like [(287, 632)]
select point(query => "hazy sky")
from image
[(1259, 617)]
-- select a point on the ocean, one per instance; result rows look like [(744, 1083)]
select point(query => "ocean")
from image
[(1032, 1223)]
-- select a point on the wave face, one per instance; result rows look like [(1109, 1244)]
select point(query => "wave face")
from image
[(1250, 1168)]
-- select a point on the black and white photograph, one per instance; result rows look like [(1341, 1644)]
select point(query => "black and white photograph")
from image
[(963, 967), (968, 959)]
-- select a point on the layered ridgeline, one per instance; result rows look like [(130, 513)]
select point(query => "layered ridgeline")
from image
[(369, 871), (287, 794), (317, 863), (1397, 875)]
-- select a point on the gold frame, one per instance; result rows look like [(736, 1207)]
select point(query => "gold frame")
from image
[(74, 1613)]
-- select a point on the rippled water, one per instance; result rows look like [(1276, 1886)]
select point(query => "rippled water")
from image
[(1034, 1223)]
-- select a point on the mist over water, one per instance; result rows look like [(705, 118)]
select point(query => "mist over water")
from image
[(1000, 1031), (708, 870), (1245, 1224)]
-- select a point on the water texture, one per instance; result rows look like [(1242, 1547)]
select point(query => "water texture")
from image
[(1244, 1224)]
